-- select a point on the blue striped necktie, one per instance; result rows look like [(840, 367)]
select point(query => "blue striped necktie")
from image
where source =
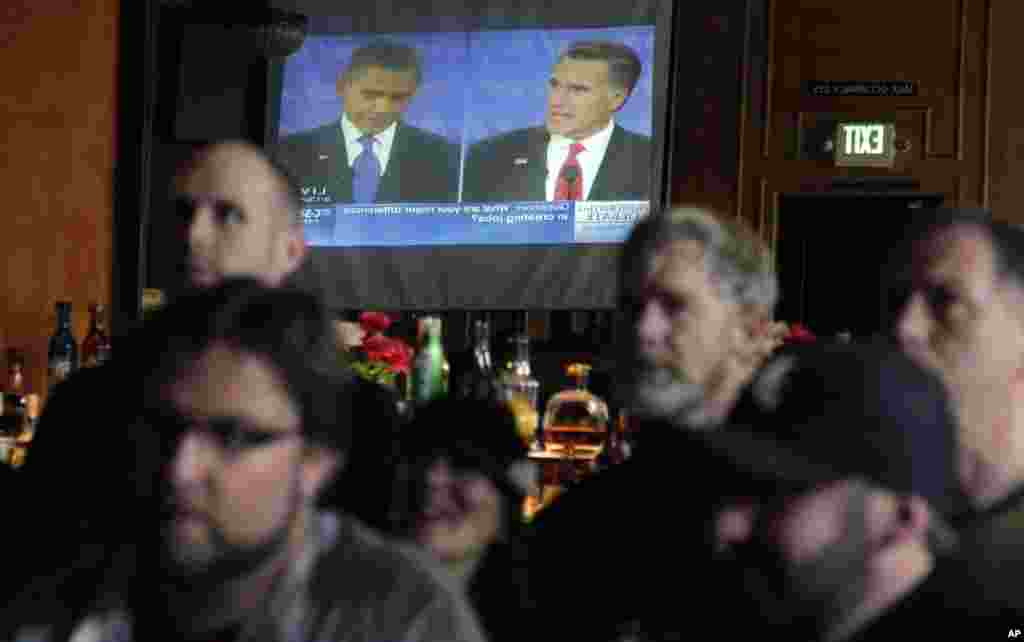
[(365, 172)]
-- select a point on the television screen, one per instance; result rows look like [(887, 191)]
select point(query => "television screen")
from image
[(492, 159)]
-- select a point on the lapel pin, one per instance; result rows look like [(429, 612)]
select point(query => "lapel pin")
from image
[(323, 157), (520, 161)]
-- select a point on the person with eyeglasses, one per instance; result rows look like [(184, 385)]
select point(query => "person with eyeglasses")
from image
[(242, 417)]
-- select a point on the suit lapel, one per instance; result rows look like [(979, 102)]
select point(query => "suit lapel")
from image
[(610, 167), (390, 190), (532, 186), (334, 159)]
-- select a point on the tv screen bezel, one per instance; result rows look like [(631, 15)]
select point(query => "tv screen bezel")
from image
[(595, 261)]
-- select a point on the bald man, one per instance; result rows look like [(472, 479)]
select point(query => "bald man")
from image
[(238, 215)]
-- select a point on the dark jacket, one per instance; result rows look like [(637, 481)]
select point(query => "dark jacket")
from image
[(992, 544), (947, 600), (513, 167), (598, 547), (422, 167)]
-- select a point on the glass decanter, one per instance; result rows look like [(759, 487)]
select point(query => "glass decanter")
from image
[(575, 419)]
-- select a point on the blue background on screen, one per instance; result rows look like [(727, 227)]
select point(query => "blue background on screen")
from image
[(475, 85), (309, 96), (509, 70)]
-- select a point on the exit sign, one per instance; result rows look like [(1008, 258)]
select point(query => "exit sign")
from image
[(865, 144)]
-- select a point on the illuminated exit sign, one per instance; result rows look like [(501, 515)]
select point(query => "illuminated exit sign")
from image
[(865, 144)]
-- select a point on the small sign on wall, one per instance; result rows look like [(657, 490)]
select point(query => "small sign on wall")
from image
[(865, 144), (860, 88)]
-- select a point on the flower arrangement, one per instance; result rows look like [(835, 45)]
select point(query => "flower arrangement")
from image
[(798, 333), (378, 357)]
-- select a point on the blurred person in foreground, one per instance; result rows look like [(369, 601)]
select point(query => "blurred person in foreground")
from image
[(836, 519), (244, 416), (465, 477), (836, 487), (956, 305)]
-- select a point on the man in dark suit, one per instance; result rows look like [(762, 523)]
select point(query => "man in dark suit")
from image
[(369, 155), (580, 153)]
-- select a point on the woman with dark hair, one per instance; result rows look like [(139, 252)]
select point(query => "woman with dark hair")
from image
[(461, 486)]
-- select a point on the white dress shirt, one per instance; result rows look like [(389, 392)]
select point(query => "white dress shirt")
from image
[(382, 142), (589, 159)]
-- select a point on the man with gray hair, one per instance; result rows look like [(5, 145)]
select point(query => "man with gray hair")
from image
[(697, 293)]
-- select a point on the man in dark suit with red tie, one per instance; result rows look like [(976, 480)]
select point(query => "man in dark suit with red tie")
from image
[(580, 153), (369, 155)]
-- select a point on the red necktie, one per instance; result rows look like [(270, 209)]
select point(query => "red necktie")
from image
[(570, 178)]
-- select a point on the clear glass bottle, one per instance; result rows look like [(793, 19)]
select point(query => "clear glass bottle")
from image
[(480, 381), (63, 349), (96, 345), (19, 411), (521, 391), (428, 367), (575, 419)]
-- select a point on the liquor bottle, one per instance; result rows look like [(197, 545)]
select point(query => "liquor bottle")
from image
[(575, 419), (15, 404), (480, 381), (520, 390), (63, 350), (19, 410), (428, 365), (96, 345), (616, 447)]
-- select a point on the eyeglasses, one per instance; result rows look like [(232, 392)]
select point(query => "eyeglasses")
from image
[(232, 435)]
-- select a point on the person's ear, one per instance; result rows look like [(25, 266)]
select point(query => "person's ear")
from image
[(734, 525), (618, 98), (319, 467), (914, 518), (340, 84), (295, 250)]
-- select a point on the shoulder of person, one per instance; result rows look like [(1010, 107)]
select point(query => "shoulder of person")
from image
[(631, 137), (515, 138), (395, 590), (307, 137), (372, 565), (424, 136)]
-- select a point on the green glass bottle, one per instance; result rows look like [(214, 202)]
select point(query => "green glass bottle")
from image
[(428, 371)]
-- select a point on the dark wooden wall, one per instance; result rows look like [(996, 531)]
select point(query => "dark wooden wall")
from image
[(739, 68), (59, 118), (946, 47)]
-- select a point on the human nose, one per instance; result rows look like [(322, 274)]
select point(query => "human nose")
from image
[(439, 475), (556, 96), (734, 525), (913, 324), (653, 327), (383, 105), (189, 464), (200, 228)]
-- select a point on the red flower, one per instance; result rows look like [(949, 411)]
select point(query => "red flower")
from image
[(800, 334), (393, 352), (374, 322)]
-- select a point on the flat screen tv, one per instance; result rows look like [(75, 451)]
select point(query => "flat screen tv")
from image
[(472, 194)]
